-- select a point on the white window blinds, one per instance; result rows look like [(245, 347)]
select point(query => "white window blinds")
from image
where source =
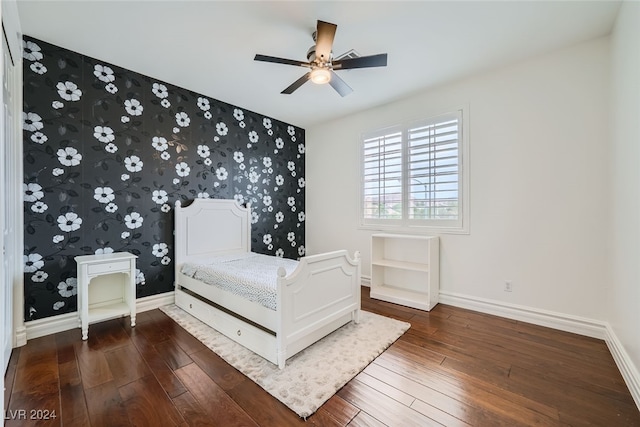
[(383, 176), (412, 174), (433, 170)]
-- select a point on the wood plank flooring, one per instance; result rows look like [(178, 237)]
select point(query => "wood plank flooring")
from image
[(454, 367)]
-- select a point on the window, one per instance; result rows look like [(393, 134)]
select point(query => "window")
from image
[(414, 175)]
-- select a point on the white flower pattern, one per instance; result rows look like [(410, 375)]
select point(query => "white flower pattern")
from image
[(31, 121), (182, 119), (39, 276), (104, 181), (69, 156), (160, 250), (104, 194), (103, 133), (133, 220), (183, 169), (103, 73), (69, 91), (159, 197), (39, 137), (160, 90), (33, 262), (38, 68), (31, 51), (133, 107), (32, 192), (159, 143), (133, 164), (69, 222), (69, 287), (39, 207)]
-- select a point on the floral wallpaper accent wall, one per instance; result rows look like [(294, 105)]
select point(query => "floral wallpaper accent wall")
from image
[(108, 152)]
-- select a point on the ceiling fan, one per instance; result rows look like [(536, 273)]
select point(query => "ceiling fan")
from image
[(321, 63)]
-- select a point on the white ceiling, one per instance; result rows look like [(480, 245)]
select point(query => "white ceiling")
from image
[(208, 46)]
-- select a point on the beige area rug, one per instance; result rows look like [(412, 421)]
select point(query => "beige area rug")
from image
[(315, 374)]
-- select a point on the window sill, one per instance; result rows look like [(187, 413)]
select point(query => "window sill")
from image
[(415, 229)]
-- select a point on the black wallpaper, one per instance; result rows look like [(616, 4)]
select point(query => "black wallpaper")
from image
[(108, 152)]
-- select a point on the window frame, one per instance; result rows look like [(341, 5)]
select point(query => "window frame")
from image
[(458, 226)]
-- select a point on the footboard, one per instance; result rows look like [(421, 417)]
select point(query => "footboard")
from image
[(321, 295)]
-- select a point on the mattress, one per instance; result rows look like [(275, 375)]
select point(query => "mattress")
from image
[(250, 275)]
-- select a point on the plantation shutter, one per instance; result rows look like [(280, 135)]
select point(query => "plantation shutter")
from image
[(433, 169), (415, 176), (382, 175)]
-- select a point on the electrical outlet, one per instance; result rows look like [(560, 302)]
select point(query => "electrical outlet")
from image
[(508, 286)]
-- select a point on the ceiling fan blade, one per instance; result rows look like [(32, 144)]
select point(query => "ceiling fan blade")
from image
[(266, 58), (325, 32), (379, 60), (339, 85), (295, 85)]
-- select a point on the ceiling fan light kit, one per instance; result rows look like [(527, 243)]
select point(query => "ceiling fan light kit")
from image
[(320, 76), (321, 63)]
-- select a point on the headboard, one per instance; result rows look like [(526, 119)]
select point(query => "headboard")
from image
[(211, 227)]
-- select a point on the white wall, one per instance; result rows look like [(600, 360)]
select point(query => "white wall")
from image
[(539, 181), (624, 291)]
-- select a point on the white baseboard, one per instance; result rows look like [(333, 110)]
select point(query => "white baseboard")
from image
[(154, 301), (64, 322), (628, 370), (51, 325), (563, 322), (21, 336)]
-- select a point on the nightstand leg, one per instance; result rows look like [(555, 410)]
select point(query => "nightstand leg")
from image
[(85, 333), (131, 293)]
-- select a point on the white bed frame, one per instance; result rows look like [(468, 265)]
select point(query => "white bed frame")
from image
[(321, 295)]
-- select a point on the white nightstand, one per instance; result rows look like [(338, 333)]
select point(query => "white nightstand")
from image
[(119, 299)]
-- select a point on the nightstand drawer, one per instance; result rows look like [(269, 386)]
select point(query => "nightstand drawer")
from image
[(115, 267)]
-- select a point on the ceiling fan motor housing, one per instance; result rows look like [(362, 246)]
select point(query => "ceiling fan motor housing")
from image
[(311, 55)]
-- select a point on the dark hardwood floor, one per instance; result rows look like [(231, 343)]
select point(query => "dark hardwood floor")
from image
[(453, 367)]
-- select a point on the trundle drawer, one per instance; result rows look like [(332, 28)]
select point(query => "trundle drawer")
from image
[(248, 335), (245, 334), (194, 307)]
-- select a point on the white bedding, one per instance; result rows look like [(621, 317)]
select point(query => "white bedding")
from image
[(250, 275)]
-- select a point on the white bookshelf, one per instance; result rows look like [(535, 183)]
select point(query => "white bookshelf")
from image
[(405, 269)]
